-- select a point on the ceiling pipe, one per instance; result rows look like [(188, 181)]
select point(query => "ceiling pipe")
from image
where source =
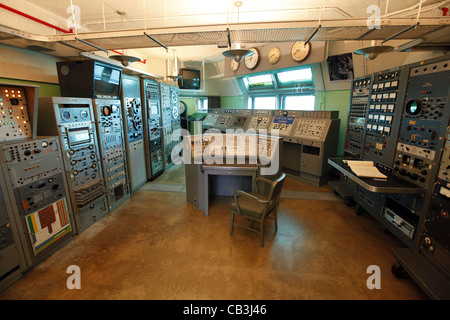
[(34, 19)]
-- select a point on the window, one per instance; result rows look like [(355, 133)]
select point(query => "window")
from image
[(202, 104), (286, 89), (299, 102), (294, 78), (262, 102), (259, 82)]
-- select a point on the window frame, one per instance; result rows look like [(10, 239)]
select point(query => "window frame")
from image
[(279, 91)]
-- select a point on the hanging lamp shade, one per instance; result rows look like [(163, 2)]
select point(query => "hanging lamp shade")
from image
[(237, 54), (373, 51), (125, 60)]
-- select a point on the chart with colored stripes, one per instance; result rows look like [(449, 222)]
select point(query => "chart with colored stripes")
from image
[(47, 225)]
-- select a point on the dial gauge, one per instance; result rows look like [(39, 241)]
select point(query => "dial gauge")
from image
[(300, 51), (252, 61), (84, 114), (66, 115), (274, 55)]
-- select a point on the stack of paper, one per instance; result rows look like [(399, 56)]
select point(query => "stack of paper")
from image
[(365, 169)]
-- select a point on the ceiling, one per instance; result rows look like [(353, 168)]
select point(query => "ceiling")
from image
[(195, 27)]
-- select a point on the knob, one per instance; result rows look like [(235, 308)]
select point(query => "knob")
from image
[(414, 176), (27, 152), (402, 171)]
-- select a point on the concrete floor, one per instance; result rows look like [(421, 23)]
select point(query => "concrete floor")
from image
[(158, 246)]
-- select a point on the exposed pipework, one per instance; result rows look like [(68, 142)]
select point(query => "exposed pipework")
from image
[(34, 19)]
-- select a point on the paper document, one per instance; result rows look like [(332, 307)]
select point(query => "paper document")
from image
[(365, 169)]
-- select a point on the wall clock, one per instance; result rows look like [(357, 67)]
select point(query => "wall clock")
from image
[(252, 61), (299, 51), (234, 65), (274, 55)]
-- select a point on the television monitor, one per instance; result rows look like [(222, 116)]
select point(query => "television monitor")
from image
[(89, 79), (190, 79)]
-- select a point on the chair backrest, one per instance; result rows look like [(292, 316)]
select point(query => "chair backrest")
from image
[(275, 191)]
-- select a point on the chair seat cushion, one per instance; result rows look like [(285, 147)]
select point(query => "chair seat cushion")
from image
[(250, 207)]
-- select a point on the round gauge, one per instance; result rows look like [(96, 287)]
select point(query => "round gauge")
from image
[(175, 113), (234, 65), (413, 107), (174, 97), (106, 110), (44, 144), (300, 51), (84, 114), (182, 107), (65, 115), (252, 61), (274, 55)]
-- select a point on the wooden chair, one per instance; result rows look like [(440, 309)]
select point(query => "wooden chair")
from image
[(257, 206)]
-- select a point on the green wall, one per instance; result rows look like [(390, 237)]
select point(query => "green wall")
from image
[(45, 89), (232, 102), (337, 100)]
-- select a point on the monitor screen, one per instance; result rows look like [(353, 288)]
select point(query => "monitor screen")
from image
[(190, 79), (106, 81)]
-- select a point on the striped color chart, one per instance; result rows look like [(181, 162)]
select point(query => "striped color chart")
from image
[(48, 225)]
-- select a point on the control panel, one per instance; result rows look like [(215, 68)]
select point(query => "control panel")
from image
[(424, 124), (166, 104), (153, 131), (435, 240), (354, 137), (175, 103), (284, 123), (311, 129), (224, 120), (134, 128), (166, 116), (210, 120), (73, 121), (134, 118), (12, 264), (261, 120), (238, 122), (176, 117), (40, 195), (108, 115), (14, 114), (384, 115)]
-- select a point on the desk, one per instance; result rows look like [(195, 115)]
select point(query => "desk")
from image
[(225, 170), (392, 184)]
